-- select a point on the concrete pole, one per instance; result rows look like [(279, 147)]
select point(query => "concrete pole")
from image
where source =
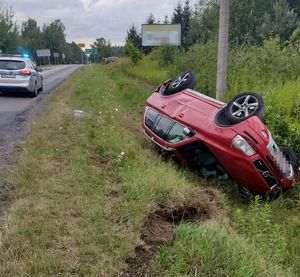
[(222, 49)]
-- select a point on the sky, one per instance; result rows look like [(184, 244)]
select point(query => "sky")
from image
[(86, 20)]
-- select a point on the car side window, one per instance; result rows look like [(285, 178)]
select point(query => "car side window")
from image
[(166, 128), (162, 127), (31, 65), (150, 118), (176, 134)]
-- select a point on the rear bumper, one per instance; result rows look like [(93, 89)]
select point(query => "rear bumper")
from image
[(14, 89)]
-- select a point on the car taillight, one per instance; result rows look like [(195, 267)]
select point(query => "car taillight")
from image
[(25, 72)]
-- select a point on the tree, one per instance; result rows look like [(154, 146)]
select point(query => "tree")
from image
[(186, 23), (134, 37), (246, 18), (166, 20), (182, 16), (73, 53), (251, 22), (103, 48), (280, 21), (9, 36), (54, 36), (177, 17), (295, 5), (150, 19), (204, 22), (32, 36)]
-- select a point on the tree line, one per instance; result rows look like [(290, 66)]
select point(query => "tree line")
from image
[(32, 37), (251, 22)]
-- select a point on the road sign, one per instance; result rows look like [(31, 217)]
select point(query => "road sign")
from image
[(43, 52), (92, 51), (81, 45), (56, 55)]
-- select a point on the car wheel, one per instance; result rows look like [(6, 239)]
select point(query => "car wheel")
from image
[(291, 157), (34, 93), (245, 105), (42, 87), (183, 81)]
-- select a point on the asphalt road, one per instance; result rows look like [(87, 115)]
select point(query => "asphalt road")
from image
[(18, 111)]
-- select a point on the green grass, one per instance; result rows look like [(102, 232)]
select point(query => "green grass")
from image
[(78, 203), (83, 188), (147, 69), (212, 250), (283, 113)]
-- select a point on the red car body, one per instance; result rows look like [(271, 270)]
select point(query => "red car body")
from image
[(259, 173)]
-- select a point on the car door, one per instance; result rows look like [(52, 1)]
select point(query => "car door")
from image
[(35, 74)]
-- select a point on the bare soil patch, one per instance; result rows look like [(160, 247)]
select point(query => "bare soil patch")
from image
[(159, 227)]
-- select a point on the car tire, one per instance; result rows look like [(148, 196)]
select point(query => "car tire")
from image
[(34, 93), (42, 87), (183, 81), (245, 105), (291, 156)]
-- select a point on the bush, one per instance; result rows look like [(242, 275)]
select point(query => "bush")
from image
[(134, 54), (249, 67), (167, 54), (202, 60)]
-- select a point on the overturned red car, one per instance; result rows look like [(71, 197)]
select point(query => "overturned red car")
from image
[(218, 139)]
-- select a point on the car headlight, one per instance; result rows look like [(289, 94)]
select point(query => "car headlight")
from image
[(240, 144)]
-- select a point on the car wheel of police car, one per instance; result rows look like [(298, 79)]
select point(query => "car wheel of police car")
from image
[(34, 93), (42, 87)]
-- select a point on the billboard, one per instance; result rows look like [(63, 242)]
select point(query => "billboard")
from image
[(43, 52), (160, 34)]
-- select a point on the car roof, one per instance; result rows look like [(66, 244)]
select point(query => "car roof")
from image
[(13, 57)]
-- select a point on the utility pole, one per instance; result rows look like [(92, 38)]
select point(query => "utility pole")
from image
[(222, 49)]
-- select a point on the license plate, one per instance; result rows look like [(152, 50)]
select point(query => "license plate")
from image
[(8, 76)]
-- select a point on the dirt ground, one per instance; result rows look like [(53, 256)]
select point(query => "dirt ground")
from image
[(159, 227)]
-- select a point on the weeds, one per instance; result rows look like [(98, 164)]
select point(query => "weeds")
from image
[(256, 225)]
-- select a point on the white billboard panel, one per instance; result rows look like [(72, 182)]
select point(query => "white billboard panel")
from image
[(160, 34), (43, 52)]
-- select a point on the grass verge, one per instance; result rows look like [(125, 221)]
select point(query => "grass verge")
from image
[(83, 189)]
